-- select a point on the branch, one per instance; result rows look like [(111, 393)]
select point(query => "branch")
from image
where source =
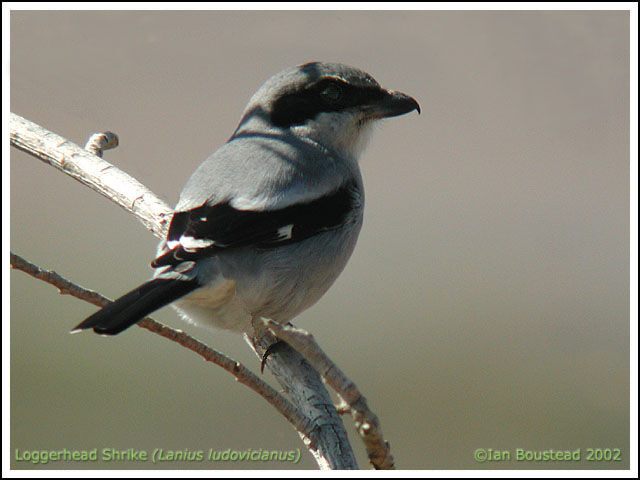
[(366, 422), (327, 440), (95, 173), (239, 371), (309, 394)]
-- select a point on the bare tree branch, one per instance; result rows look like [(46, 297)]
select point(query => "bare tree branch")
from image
[(239, 371), (327, 440), (97, 174), (309, 394), (366, 422)]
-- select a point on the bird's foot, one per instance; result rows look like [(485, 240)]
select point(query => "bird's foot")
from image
[(274, 347)]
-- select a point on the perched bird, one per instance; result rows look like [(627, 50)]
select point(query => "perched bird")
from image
[(265, 225)]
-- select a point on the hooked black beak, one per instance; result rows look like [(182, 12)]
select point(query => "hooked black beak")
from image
[(394, 104)]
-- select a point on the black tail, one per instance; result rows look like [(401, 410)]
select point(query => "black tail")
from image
[(135, 305)]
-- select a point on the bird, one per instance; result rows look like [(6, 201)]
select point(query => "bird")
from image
[(266, 224)]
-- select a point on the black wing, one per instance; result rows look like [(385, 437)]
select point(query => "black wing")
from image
[(208, 229)]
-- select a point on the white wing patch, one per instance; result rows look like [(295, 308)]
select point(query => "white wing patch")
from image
[(286, 232), (190, 243)]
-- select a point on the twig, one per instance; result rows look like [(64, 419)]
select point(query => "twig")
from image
[(99, 142), (97, 174), (366, 422), (239, 371), (310, 394)]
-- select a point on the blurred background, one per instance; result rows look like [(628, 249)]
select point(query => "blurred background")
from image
[(486, 304)]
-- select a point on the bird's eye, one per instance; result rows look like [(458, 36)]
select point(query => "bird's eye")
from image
[(332, 91)]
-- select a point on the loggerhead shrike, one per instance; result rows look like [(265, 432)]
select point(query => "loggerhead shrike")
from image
[(266, 224)]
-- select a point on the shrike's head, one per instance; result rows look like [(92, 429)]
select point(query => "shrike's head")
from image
[(332, 104)]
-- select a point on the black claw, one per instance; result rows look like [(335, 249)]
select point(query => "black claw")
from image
[(272, 348)]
